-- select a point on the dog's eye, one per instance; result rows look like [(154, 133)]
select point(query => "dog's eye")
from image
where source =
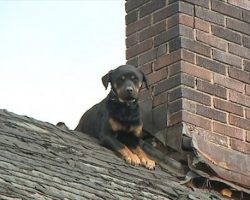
[(121, 79), (134, 78)]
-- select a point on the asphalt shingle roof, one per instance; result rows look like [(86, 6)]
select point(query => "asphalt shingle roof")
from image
[(41, 161)]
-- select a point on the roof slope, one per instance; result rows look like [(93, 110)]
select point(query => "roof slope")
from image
[(41, 161)]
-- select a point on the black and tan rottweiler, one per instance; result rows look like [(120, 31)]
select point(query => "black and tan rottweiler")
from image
[(116, 120)]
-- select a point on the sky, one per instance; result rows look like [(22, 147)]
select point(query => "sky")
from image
[(53, 54)]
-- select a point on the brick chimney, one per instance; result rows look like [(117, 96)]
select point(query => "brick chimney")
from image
[(196, 56)]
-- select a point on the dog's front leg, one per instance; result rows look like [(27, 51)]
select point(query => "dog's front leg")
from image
[(145, 161), (123, 150)]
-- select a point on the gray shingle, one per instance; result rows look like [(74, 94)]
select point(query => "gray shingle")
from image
[(41, 161)]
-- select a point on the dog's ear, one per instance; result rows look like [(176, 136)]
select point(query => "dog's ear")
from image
[(106, 79), (144, 79)]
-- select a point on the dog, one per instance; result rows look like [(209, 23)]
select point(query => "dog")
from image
[(116, 120)]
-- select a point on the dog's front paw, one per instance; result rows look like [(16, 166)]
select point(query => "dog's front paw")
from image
[(149, 164), (133, 159)]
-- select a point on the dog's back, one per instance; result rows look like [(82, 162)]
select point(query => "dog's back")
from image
[(89, 121)]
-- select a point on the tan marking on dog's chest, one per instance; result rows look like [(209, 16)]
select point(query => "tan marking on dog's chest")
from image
[(137, 130), (115, 125)]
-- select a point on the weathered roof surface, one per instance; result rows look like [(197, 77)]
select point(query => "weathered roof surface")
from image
[(41, 161)]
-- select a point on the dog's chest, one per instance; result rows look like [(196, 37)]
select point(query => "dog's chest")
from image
[(118, 127)]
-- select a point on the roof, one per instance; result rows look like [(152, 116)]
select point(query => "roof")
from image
[(41, 161)]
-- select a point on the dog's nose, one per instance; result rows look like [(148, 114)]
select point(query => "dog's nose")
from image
[(129, 90)]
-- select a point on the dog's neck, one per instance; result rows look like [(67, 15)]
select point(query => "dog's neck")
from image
[(124, 112)]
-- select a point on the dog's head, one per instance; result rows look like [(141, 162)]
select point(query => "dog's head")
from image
[(125, 81)]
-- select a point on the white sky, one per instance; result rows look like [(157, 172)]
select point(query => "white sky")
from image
[(54, 53)]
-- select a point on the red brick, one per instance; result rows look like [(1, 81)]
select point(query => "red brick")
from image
[(186, 20), (151, 31), (131, 4), (151, 7), (175, 106), (162, 50), (160, 99), (167, 59), (211, 113), (138, 25), (174, 81), (180, 18), (146, 68), (226, 9), (242, 3), (211, 40), (139, 48), (189, 106), (182, 104), (246, 41), (174, 68), (166, 12), (246, 16), (196, 96), (247, 113), (239, 98), (133, 61), (186, 31), (240, 75), (197, 120), (186, 8), (157, 76), (239, 122), (131, 17), (187, 80), (166, 36), (212, 89), (175, 118), (228, 130), (248, 136), (196, 71), (148, 56), (175, 94), (174, 44), (187, 56), (226, 34), (202, 25), (238, 25), (189, 118), (228, 82), (227, 58), (173, 20), (240, 146), (239, 51), (167, 84), (209, 15), (203, 3), (189, 94), (132, 40), (196, 47), (211, 64), (227, 106), (248, 90)]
